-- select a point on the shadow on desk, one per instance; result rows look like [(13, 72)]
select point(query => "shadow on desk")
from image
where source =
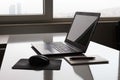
[(1, 58), (83, 71), (2, 51)]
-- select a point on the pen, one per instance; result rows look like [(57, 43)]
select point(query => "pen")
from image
[(82, 58)]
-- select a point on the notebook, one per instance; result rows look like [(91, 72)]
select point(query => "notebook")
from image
[(97, 60), (77, 39)]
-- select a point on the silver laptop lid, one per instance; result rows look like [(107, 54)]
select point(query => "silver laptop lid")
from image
[(82, 29)]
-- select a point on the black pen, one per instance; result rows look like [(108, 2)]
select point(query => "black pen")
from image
[(82, 58)]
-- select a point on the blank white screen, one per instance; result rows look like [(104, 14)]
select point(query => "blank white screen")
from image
[(80, 24)]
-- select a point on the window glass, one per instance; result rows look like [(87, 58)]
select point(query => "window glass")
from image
[(67, 8), (21, 7)]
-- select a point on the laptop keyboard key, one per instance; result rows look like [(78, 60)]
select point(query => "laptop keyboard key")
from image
[(62, 47)]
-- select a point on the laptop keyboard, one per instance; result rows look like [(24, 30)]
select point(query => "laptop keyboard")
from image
[(62, 47)]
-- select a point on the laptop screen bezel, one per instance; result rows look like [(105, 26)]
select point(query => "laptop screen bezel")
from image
[(93, 25)]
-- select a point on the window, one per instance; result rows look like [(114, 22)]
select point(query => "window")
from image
[(22, 11), (25, 11), (67, 8), (21, 7)]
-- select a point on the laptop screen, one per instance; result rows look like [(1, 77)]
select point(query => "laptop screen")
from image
[(81, 29)]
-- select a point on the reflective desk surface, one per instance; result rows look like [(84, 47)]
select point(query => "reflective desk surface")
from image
[(16, 51)]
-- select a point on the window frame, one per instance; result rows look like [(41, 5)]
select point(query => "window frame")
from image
[(47, 15), (101, 19)]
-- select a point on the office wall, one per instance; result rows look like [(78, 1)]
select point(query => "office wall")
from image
[(105, 32)]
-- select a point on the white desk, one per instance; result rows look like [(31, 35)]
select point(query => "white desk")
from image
[(16, 51)]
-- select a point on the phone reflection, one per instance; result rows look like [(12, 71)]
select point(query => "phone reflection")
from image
[(83, 71), (48, 75)]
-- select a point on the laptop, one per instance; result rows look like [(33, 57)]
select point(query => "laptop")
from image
[(77, 39)]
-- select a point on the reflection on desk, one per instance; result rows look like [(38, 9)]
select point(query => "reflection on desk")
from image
[(16, 51)]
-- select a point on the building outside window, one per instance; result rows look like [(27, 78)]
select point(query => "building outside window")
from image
[(21, 7)]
